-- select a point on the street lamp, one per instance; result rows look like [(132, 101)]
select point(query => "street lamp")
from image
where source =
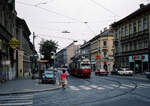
[(65, 31)]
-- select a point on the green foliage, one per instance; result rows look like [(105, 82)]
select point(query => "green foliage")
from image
[(47, 47)]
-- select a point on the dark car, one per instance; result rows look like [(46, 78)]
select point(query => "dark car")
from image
[(147, 75), (49, 76), (114, 72), (101, 72)]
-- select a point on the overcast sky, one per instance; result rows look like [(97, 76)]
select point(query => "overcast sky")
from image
[(82, 18)]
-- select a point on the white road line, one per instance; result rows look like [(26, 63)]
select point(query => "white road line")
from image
[(74, 88), (105, 86), (16, 100), (145, 85), (96, 87), (85, 87), (131, 86), (16, 104), (122, 87)]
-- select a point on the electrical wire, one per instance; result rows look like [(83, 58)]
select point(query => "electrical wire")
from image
[(50, 11), (100, 5)]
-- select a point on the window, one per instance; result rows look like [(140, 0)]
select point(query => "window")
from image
[(126, 47), (139, 25), (105, 43), (130, 28), (126, 30), (130, 46), (105, 53), (140, 44), (145, 44), (145, 25), (134, 27), (135, 45), (122, 48), (122, 31)]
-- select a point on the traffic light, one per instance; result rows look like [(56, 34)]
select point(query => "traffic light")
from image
[(52, 56)]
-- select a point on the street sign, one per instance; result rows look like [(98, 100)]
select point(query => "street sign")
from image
[(13, 43)]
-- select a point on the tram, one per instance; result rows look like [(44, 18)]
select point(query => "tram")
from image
[(80, 68)]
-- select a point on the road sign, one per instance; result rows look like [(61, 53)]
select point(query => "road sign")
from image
[(13, 43)]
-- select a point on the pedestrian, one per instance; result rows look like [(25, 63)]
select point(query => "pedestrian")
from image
[(63, 79)]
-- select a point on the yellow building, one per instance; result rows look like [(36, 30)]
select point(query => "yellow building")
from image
[(101, 50)]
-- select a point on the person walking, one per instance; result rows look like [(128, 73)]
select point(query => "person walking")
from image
[(63, 79)]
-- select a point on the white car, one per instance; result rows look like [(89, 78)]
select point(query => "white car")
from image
[(125, 71)]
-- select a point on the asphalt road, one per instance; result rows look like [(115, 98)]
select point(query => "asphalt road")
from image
[(96, 91)]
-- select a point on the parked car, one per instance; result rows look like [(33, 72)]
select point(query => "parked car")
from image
[(147, 75), (125, 71), (114, 72), (49, 76), (101, 72)]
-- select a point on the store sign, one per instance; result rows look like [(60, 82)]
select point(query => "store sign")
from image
[(143, 58), (97, 56), (14, 43)]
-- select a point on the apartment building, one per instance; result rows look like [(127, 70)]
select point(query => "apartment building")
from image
[(132, 40)]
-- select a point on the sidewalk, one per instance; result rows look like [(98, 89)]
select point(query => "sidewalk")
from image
[(21, 86)]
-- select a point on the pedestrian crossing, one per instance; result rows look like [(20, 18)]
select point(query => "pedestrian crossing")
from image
[(16, 100), (109, 86)]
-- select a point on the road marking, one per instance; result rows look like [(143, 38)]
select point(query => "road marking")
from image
[(114, 85), (123, 87), (16, 104), (105, 86), (96, 87), (131, 86), (85, 87), (74, 88), (16, 100)]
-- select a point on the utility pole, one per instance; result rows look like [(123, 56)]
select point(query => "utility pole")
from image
[(33, 55), (33, 39)]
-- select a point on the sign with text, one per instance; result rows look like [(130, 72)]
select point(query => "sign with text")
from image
[(14, 43)]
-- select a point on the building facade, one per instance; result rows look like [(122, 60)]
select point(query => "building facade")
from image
[(132, 40), (94, 51), (106, 49), (85, 50), (7, 31), (25, 48)]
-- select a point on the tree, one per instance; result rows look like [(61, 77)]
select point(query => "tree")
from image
[(47, 49)]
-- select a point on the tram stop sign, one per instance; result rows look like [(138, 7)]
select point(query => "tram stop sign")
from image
[(13, 43)]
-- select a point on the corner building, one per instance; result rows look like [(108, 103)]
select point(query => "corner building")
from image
[(132, 40)]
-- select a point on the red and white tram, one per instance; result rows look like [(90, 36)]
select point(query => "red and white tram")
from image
[(80, 68)]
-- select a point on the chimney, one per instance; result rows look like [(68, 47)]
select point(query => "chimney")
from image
[(101, 31), (105, 28), (142, 5)]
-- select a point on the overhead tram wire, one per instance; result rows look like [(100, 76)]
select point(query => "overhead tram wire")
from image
[(100, 5), (50, 11), (45, 35)]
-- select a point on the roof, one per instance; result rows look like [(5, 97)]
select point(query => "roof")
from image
[(143, 8)]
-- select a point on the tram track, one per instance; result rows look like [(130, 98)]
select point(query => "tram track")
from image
[(120, 84)]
